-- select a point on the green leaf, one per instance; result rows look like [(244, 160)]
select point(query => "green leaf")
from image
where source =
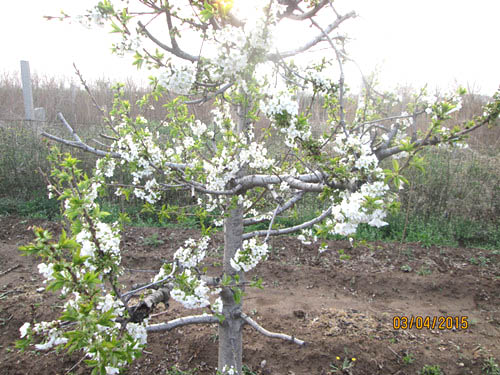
[(226, 280), (237, 294), (115, 28), (395, 165)]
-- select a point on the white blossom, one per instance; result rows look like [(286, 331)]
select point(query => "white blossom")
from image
[(192, 253), (138, 332), (47, 270), (194, 297), (216, 307), (24, 329), (179, 80), (112, 370), (250, 254)]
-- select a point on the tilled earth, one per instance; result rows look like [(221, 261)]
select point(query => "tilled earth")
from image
[(343, 309)]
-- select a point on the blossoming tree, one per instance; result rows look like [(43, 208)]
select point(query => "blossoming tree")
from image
[(244, 175)]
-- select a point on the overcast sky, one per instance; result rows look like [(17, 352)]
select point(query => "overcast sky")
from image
[(438, 42)]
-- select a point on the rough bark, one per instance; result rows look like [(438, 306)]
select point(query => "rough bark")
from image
[(230, 331)]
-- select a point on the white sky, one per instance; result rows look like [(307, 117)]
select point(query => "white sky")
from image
[(438, 42)]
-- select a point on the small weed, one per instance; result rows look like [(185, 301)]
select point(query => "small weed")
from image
[(153, 240), (431, 370), (408, 253), (424, 271), (408, 359), (483, 261), (176, 371), (479, 261), (247, 370), (343, 255), (406, 268), (490, 367), (344, 367)]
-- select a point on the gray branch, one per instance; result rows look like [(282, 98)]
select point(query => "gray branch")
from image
[(310, 182), (206, 98), (267, 333), (319, 38), (180, 322), (277, 232), (310, 14), (175, 51), (78, 143), (255, 220)]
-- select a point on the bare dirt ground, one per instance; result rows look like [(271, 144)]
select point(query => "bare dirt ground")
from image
[(343, 309)]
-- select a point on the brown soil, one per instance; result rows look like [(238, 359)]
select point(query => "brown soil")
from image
[(341, 308)]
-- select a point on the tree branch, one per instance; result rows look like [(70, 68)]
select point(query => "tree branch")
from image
[(180, 322), (255, 220), (267, 333), (144, 308), (78, 143), (306, 184), (206, 98), (306, 15), (320, 37), (277, 232), (175, 51)]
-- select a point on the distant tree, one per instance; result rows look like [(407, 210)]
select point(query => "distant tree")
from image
[(223, 51)]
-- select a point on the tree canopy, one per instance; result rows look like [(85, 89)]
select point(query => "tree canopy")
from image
[(225, 53)]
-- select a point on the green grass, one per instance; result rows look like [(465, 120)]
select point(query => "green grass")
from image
[(428, 231), (38, 206)]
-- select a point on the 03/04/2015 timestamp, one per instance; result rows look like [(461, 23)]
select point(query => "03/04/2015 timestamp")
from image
[(430, 322)]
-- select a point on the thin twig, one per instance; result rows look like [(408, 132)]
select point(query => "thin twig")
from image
[(10, 270), (76, 364)]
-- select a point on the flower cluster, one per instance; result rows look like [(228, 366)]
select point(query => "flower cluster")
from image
[(101, 239), (192, 253), (250, 254), (217, 305), (48, 329), (352, 211), (190, 291), (47, 270), (180, 80), (307, 237), (355, 151)]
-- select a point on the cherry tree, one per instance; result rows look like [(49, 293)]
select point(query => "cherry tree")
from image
[(225, 53)]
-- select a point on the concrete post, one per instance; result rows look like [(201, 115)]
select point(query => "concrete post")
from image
[(27, 91)]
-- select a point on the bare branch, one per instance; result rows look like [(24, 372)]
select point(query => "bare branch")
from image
[(87, 89), (206, 98), (306, 15), (81, 146), (175, 51), (150, 285), (307, 184), (267, 333), (320, 37), (277, 232), (271, 223), (255, 220), (180, 322), (386, 119)]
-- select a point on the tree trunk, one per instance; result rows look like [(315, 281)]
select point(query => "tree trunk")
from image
[(230, 331)]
